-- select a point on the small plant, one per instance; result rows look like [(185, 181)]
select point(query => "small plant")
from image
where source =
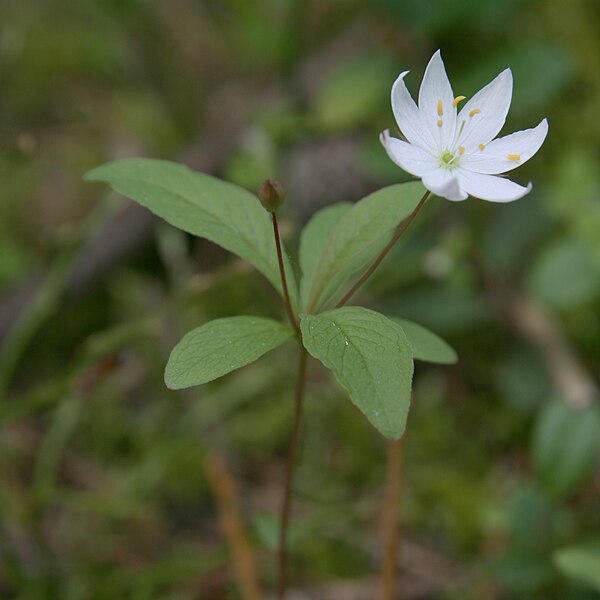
[(370, 354)]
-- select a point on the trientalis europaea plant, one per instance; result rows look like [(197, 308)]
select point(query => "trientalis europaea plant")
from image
[(452, 150)]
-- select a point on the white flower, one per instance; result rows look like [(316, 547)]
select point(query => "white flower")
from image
[(456, 154)]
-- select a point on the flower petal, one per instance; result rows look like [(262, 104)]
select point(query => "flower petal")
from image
[(491, 187), (484, 114), (495, 159), (407, 115), (444, 183), (438, 113), (409, 157)]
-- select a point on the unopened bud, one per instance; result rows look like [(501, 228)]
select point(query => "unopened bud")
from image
[(271, 195)]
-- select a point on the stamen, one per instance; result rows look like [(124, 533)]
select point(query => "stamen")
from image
[(482, 147), (462, 126), (474, 112), (513, 156), (440, 122), (457, 100), (461, 150), (440, 108)]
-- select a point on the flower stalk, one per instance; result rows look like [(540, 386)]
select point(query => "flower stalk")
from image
[(402, 227), (271, 197), (284, 285)]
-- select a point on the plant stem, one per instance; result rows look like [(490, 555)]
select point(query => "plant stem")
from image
[(286, 293), (286, 504), (289, 476), (388, 588), (401, 229)]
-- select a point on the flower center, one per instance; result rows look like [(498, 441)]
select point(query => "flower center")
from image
[(449, 159)]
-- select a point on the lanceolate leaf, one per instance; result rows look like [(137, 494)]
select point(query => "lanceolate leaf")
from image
[(425, 344), (565, 446), (580, 562), (363, 230), (313, 239), (221, 346), (202, 205), (370, 356)]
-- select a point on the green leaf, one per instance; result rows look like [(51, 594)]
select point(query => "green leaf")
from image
[(370, 357), (201, 205), (531, 523), (565, 275), (359, 235), (565, 447), (221, 346), (425, 344), (313, 239), (582, 563)]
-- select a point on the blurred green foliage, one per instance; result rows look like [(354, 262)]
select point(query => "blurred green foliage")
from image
[(102, 493)]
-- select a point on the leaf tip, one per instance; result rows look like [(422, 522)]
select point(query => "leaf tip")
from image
[(169, 382), (451, 358), (391, 430), (171, 377), (93, 174), (393, 435)]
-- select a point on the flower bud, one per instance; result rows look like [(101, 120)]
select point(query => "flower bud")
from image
[(271, 195)]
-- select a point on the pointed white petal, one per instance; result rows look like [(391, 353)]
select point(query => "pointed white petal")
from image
[(494, 158), (491, 187), (411, 158), (407, 115), (444, 183), (484, 114), (435, 97)]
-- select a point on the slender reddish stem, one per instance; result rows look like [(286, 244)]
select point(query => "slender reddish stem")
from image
[(289, 477), (390, 525), (286, 504), (401, 229), (286, 293)]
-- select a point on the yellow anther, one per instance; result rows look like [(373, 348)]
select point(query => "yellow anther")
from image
[(440, 108), (461, 150), (457, 100), (474, 112), (440, 122), (482, 147), (513, 156)]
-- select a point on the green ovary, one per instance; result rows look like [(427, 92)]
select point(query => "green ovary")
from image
[(449, 159)]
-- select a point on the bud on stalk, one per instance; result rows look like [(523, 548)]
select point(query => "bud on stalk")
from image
[(271, 195)]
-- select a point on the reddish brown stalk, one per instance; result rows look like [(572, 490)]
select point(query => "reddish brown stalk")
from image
[(286, 293), (289, 478), (401, 229), (390, 525)]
